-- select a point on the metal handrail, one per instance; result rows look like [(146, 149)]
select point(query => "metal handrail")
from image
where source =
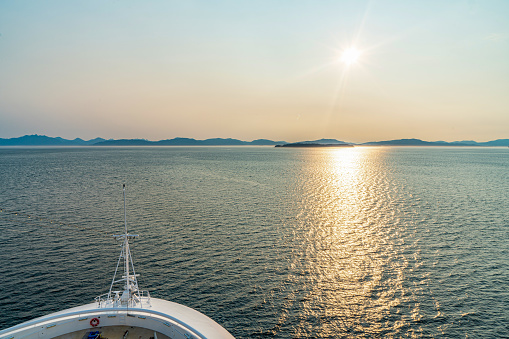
[(107, 298), (35, 323)]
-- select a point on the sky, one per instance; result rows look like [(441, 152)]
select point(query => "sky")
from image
[(433, 70)]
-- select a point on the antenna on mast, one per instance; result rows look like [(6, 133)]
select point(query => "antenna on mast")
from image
[(125, 212), (131, 293)]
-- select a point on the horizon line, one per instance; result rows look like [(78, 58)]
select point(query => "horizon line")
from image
[(258, 139)]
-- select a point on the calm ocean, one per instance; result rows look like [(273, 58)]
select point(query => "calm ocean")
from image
[(269, 242)]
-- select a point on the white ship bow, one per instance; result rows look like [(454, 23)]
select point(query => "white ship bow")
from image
[(126, 312)]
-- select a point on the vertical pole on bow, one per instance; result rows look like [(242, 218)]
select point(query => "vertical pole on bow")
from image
[(126, 254)]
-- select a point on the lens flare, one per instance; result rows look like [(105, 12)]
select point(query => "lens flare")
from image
[(350, 56)]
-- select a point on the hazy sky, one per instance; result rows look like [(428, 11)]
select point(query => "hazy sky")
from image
[(434, 70)]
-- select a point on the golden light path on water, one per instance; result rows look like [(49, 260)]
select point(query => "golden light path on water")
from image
[(349, 276)]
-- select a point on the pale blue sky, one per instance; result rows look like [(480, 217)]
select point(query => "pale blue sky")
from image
[(435, 70)]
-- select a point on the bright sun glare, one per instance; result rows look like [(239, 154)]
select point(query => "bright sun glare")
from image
[(350, 56)]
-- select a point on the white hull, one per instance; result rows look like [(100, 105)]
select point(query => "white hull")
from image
[(163, 317)]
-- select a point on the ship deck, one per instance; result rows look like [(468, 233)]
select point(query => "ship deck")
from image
[(115, 332)]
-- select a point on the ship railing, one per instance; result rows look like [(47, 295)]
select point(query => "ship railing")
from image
[(144, 297), (104, 299), (31, 328), (107, 299), (144, 294)]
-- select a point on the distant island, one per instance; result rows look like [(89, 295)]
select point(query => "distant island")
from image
[(310, 144), (42, 140)]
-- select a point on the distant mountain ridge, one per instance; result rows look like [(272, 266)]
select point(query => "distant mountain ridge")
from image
[(42, 140), (189, 142), (418, 142), (326, 141)]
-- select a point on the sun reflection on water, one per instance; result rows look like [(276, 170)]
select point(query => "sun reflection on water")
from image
[(351, 268)]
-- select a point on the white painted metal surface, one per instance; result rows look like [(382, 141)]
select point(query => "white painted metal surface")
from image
[(168, 318)]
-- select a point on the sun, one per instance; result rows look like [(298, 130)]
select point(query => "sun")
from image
[(350, 56)]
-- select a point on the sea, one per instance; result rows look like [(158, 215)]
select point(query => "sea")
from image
[(362, 242)]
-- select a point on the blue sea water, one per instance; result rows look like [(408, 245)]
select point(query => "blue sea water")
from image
[(363, 242)]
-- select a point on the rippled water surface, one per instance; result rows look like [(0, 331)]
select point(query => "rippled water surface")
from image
[(274, 243)]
